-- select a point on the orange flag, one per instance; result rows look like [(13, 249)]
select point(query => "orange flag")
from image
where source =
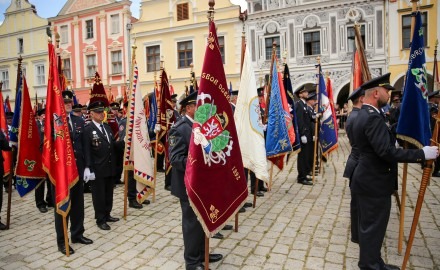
[(58, 157)]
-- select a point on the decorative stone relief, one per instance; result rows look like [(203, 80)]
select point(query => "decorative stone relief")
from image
[(299, 79), (311, 60), (339, 77), (369, 9), (311, 22), (354, 15), (259, 25), (281, 21), (271, 28), (323, 16), (273, 4), (115, 44), (290, 3), (299, 19)]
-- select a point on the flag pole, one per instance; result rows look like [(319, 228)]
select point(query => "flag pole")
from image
[(269, 90), (405, 165), (315, 143), (133, 58), (434, 68), (157, 141)]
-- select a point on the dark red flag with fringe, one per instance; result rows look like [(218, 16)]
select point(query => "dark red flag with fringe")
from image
[(214, 177)]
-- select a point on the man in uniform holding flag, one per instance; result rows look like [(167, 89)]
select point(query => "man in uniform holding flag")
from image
[(179, 140), (305, 131)]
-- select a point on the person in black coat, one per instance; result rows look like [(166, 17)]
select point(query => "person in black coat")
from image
[(76, 213), (374, 179), (99, 147), (357, 98), (179, 141), (4, 146), (39, 191), (305, 132)]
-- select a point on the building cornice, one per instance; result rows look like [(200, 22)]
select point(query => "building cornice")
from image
[(24, 56), (410, 9), (88, 11), (17, 33)]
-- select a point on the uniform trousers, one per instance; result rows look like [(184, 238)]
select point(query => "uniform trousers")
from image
[(131, 190), (39, 195), (102, 196), (76, 214), (193, 236), (373, 213), (354, 219), (303, 161)]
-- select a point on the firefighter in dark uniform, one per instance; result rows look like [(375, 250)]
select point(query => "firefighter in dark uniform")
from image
[(177, 116), (99, 148), (433, 99), (305, 132), (357, 98), (193, 234), (374, 179), (39, 191), (4, 146), (76, 213), (311, 102)]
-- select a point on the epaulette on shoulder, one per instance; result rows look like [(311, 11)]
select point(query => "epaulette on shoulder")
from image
[(371, 110)]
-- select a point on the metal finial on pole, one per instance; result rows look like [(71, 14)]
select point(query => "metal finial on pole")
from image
[(211, 10)]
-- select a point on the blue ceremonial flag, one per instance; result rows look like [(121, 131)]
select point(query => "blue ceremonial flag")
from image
[(13, 132), (413, 125), (327, 132), (277, 138), (291, 101), (152, 117)]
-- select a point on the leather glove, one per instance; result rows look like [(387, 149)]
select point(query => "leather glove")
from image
[(431, 152), (156, 128), (304, 139), (86, 175)]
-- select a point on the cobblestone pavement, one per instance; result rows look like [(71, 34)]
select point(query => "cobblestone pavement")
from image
[(292, 227)]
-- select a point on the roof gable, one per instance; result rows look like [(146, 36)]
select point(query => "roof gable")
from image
[(79, 5)]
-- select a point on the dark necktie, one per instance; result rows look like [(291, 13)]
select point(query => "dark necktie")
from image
[(70, 125), (103, 131)]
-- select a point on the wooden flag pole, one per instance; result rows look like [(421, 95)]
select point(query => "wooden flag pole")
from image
[(66, 237), (125, 193), (269, 188), (405, 165), (315, 143), (206, 252)]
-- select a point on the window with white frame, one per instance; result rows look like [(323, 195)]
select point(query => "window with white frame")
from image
[(351, 45), (66, 69), (64, 34), (312, 43), (91, 65), (40, 77), (20, 45), (221, 45), (89, 29), (4, 78), (153, 58), (114, 19), (116, 62), (185, 53), (268, 46)]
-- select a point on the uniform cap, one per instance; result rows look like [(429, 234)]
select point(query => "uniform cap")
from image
[(356, 94), (382, 81), (97, 106), (191, 98), (67, 96)]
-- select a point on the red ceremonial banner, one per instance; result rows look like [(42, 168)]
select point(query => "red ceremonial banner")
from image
[(29, 156), (166, 117), (7, 155), (58, 157), (214, 176)]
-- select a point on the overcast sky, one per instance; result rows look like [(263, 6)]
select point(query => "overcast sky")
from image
[(50, 8)]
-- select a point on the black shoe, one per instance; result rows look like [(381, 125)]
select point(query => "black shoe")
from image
[(168, 187), (263, 189), (213, 258), (62, 249), (390, 267), (42, 209), (111, 219), (241, 210), (82, 240), (104, 226), (134, 204), (218, 236), (259, 194), (356, 241), (227, 227), (436, 174), (2, 227), (50, 205), (146, 202), (305, 182), (247, 204)]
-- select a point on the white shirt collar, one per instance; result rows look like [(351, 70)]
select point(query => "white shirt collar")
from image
[(189, 118), (377, 110)]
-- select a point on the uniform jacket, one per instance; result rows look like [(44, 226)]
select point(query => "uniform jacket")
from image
[(98, 151), (179, 139), (353, 158), (305, 125), (376, 172), (77, 137), (4, 146)]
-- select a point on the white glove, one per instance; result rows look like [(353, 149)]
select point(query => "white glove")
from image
[(397, 145), (86, 175), (156, 128), (431, 152), (304, 139), (92, 176), (314, 138), (264, 127)]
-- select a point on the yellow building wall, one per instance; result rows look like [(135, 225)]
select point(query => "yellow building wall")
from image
[(24, 23), (431, 7), (157, 26)]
